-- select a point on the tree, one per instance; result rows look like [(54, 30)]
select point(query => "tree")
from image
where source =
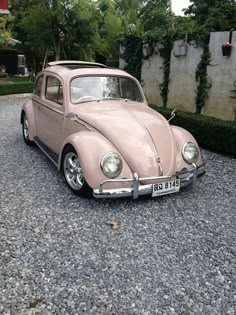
[(5, 31), (129, 11), (110, 27), (78, 26), (213, 15), (64, 29)]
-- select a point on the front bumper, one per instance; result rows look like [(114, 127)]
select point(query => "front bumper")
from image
[(187, 177)]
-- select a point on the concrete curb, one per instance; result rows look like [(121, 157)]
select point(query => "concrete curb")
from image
[(14, 96)]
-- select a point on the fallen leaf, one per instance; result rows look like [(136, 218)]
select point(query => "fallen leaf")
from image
[(36, 302), (114, 225)]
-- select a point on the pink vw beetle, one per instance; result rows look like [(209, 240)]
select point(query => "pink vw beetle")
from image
[(94, 124)]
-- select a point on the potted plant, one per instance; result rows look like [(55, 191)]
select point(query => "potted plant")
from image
[(226, 49)]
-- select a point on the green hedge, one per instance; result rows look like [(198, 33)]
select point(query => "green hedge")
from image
[(211, 133), (15, 88)]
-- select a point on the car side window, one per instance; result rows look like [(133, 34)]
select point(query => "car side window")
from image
[(54, 91), (38, 85)]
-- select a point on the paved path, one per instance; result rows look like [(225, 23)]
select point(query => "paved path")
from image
[(173, 255)]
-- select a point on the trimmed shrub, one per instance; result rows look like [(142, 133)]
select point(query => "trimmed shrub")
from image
[(211, 133), (16, 88)]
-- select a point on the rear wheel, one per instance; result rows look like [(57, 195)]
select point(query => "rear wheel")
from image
[(73, 173), (25, 130)]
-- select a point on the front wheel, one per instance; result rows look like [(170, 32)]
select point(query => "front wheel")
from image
[(25, 131), (73, 173)]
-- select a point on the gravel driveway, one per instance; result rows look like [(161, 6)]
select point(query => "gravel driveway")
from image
[(171, 255)]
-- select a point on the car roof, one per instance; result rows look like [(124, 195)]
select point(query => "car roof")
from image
[(70, 69), (75, 64)]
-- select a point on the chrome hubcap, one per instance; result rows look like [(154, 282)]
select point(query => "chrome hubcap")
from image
[(26, 128), (73, 171)]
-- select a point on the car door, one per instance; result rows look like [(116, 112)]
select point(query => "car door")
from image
[(51, 114)]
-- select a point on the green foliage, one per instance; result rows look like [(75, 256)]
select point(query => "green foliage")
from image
[(78, 25), (166, 55), (211, 133), (208, 16), (156, 16), (133, 55), (35, 25), (129, 11), (110, 30), (202, 79), (63, 29), (16, 88), (213, 15), (5, 31)]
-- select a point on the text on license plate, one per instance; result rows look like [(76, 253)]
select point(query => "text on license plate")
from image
[(166, 188)]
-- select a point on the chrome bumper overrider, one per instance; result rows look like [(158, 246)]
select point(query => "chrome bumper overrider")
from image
[(187, 177)]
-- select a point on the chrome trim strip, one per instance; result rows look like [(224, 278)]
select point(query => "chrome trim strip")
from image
[(45, 152), (52, 109), (80, 121), (157, 157), (140, 190)]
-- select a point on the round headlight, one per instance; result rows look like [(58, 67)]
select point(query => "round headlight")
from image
[(111, 165), (190, 153)]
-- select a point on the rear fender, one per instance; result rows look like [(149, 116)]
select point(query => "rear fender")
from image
[(91, 147), (27, 108), (182, 136)]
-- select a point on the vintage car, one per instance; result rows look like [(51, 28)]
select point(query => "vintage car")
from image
[(93, 122)]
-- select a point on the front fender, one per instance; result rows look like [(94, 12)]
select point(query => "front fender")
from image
[(27, 108), (182, 136), (91, 147)]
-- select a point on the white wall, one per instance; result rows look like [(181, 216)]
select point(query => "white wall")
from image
[(222, 72), (182, 84), (152, 75), (221, 102)]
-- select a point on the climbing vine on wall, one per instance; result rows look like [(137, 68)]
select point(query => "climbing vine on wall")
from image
[(166, 55), (133, 55), (202, 78)]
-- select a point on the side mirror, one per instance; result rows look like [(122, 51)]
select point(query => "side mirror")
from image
[(172, 116), (72, 116)]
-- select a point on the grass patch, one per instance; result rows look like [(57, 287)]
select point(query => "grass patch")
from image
[(18, 79), (16, 88), (211, 133)]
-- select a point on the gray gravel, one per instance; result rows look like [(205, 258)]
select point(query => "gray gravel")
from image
[(171, 255)]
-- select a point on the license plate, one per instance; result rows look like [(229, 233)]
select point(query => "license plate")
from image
[(166, 188)]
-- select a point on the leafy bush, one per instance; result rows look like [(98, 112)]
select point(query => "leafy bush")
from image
[(16, 88), (211, 133)]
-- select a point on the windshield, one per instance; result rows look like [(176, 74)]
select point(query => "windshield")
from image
[(84, 89)]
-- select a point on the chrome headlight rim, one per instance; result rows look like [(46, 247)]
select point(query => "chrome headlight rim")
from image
[(105, 156), (194, 159)]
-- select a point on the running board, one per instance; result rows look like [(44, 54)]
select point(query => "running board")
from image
[(48, 152)]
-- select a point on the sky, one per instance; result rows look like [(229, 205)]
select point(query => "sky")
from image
[(178, 5)]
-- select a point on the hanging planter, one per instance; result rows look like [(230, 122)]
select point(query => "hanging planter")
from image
[(181, 50), (226, 49)]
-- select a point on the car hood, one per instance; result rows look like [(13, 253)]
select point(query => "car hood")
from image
[(143, 137)]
